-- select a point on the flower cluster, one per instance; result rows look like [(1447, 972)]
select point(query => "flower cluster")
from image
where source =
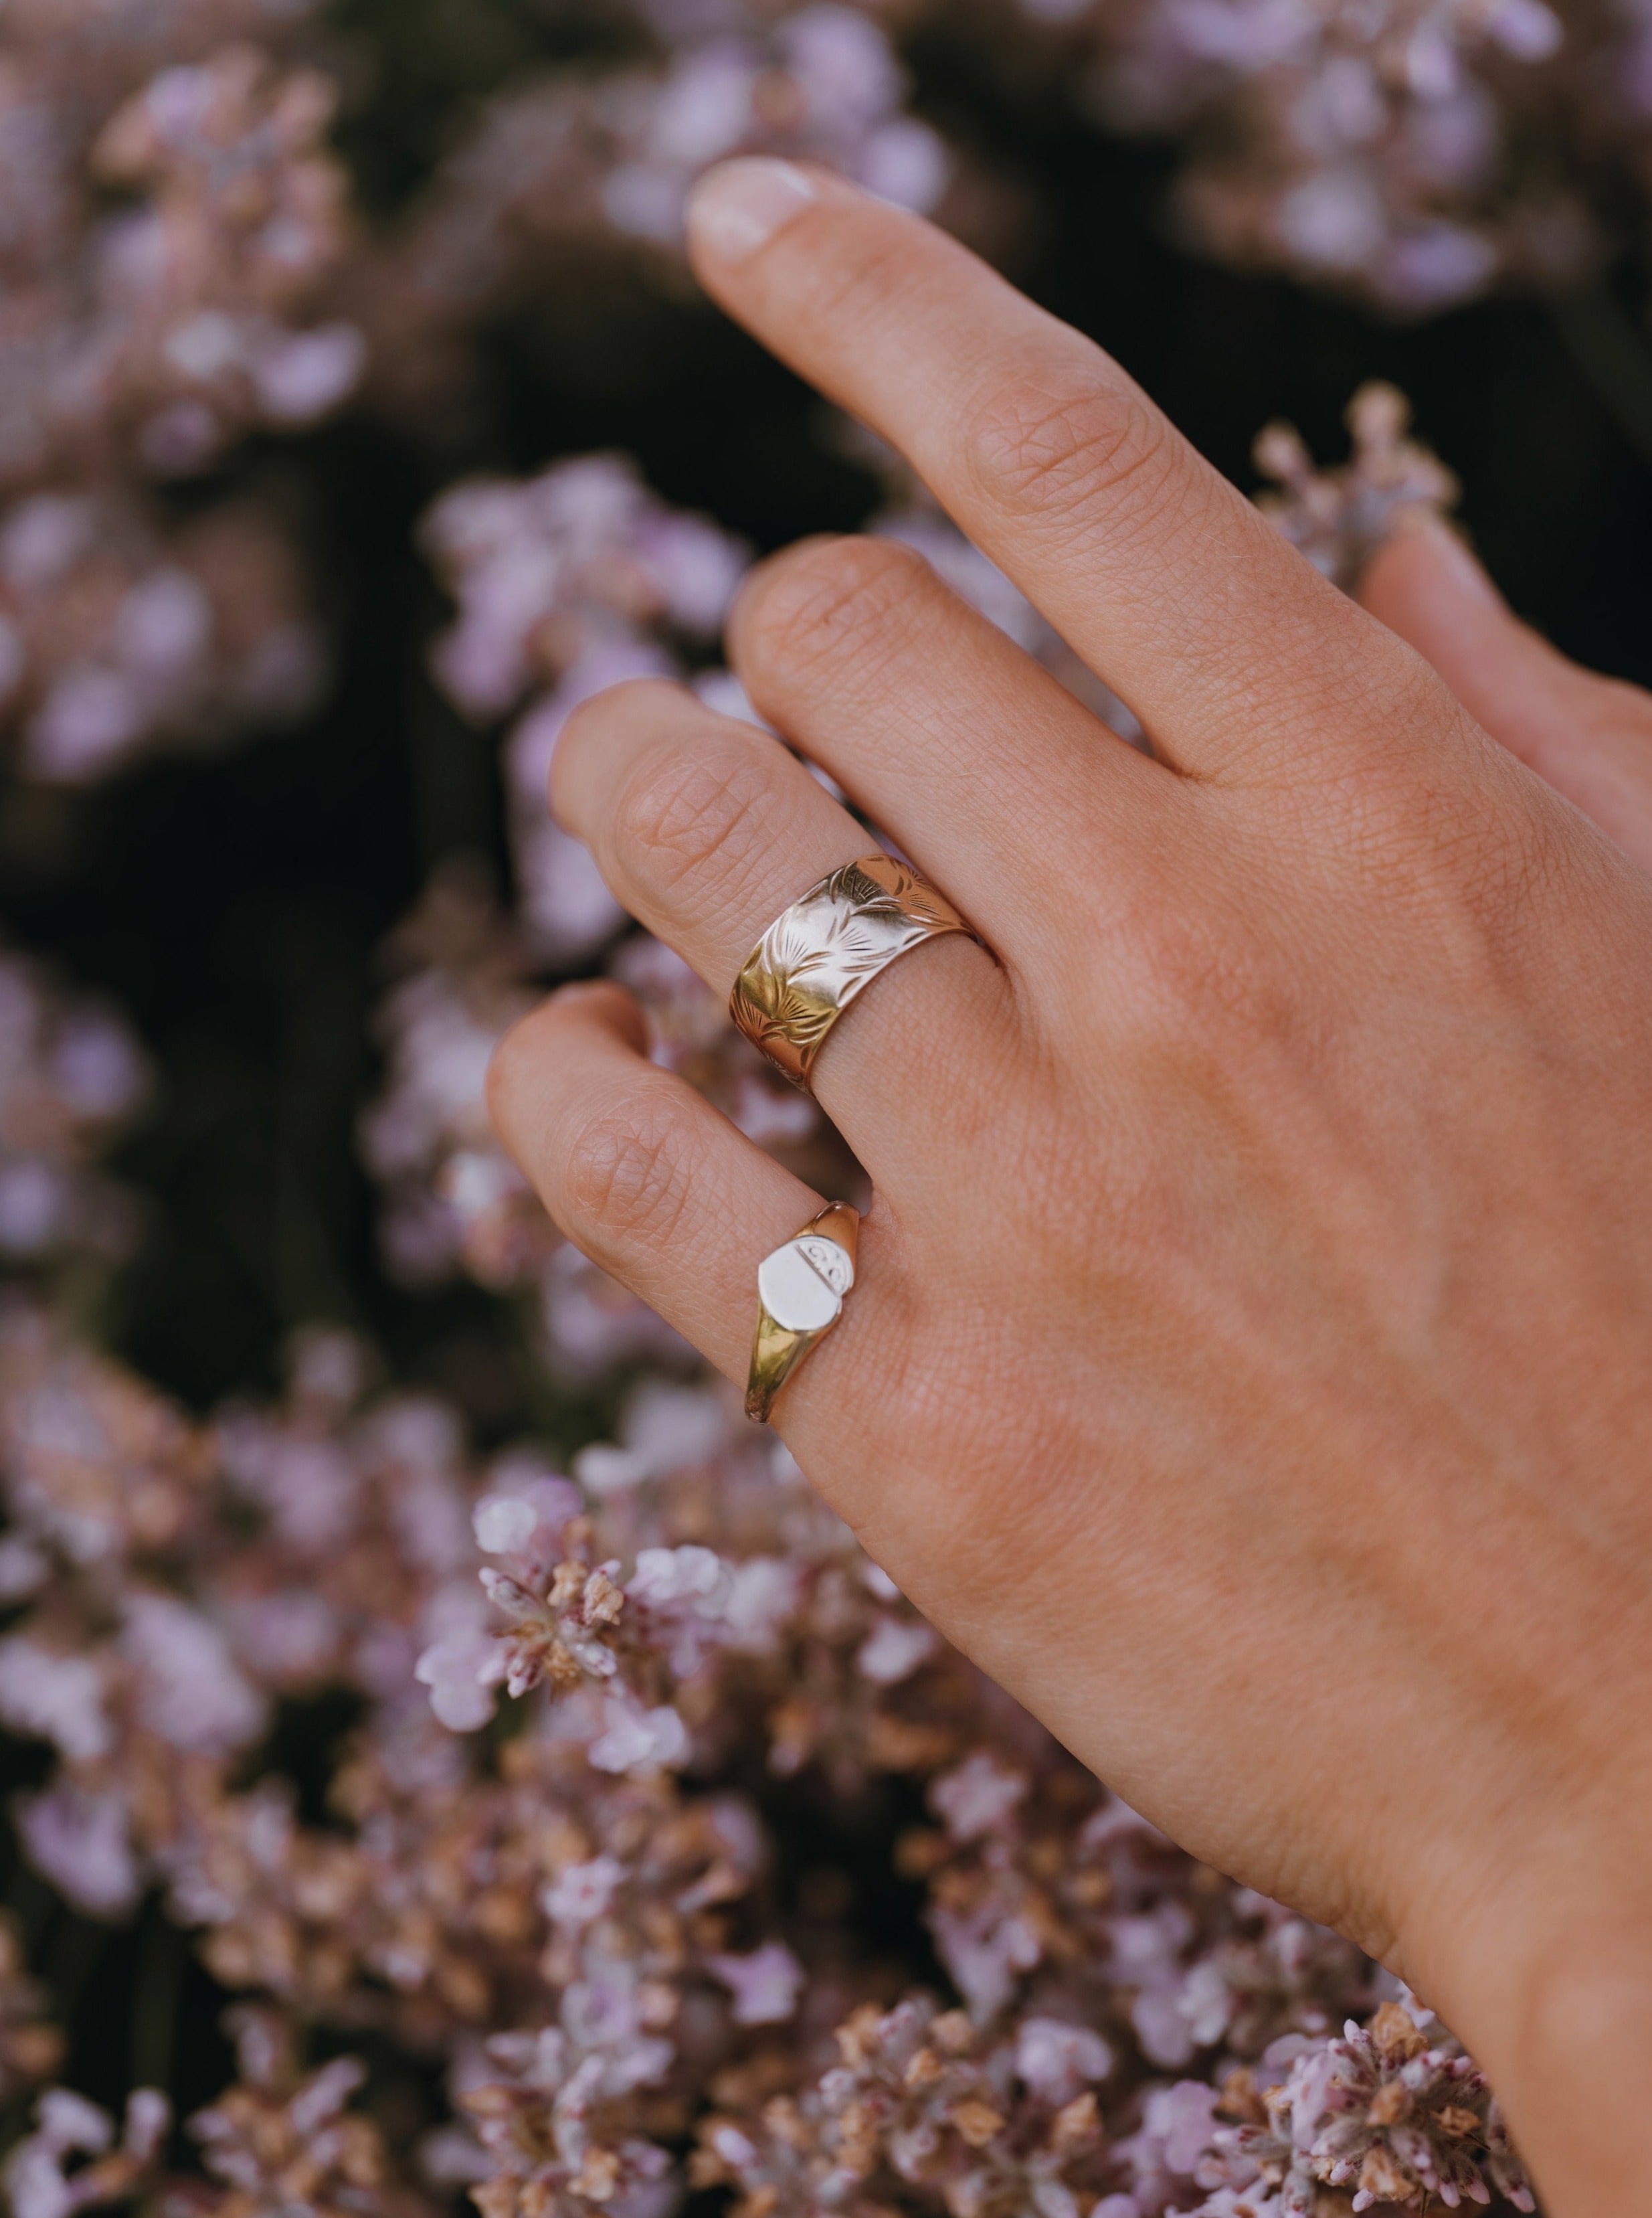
[(567, 583), (1339, 518), (120, 631), (652, 1644), (161, 330), (173, 221), (1419, 152), (277, 2139), (71, 1076), (584, 1918), (74, 2161), (1393, 2110), (1379, 149), (572, 161), (918, 2101)]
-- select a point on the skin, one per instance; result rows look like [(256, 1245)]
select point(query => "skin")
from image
[(1249, 1364)]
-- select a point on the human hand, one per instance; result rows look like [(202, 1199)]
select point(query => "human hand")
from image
[(1249, 1359)]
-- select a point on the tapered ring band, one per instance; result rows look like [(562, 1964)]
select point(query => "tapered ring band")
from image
[(801, 1290), (826, 948)]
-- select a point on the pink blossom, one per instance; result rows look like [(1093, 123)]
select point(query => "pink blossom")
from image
[(764, 1984), (55, 1697), (40, 2182), (189, 1690), (80, 1841), (1056, 2060), (978, 1797), (634, 1739), (892, 1651), (461, 1671), (583, 1892)]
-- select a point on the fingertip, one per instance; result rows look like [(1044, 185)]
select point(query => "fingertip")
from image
[(635, 703), (736, 208), (527, 1057)]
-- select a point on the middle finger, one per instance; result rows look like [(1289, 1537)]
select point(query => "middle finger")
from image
[(928, 714)]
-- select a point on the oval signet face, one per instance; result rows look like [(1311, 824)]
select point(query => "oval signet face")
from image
[(793, 1291), (828, 1259)]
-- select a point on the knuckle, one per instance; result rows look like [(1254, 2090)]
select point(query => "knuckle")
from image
[(684, 809), (628, 1169), (1035, 448), (826, 601), (1481, 857)]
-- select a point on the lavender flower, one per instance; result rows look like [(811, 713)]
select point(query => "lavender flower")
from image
[(1376, 152), (916, 2104), (119, 635), (158, 333), (274, 2141), (72, 1076), (43, 2180), (1340, 518), (573, 579), (564, 163)]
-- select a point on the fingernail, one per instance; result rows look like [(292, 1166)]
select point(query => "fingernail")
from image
[(739, 206)]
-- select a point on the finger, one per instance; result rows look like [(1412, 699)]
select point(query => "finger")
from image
[(706, 829), (1589, 737), (1222, 639), (929, 716), (639, 1171)]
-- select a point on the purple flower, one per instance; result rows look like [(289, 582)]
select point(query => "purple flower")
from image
[(764, 1984)]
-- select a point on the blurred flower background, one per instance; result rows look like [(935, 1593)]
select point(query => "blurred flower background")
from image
[(449, 1753)]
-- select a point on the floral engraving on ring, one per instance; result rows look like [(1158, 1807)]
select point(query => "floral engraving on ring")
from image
[(819, 953)]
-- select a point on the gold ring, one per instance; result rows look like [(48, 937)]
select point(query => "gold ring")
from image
[(801, 1289), (826, 948)]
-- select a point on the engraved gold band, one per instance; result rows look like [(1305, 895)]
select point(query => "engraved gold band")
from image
[(826, 948), (801, 1290)]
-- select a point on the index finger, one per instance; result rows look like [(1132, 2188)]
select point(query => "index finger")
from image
[(1152, 566)]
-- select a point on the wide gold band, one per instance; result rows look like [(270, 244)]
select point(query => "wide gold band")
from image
[(801, 1289), (826, 948)]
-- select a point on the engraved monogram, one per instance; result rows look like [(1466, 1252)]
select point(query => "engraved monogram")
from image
[(827, 1257), (801, 1290)]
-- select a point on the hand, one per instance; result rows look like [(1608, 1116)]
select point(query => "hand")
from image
[(1249, 1360)]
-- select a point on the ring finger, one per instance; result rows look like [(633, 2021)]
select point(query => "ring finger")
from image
[(706, 828), (658, 1187)]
